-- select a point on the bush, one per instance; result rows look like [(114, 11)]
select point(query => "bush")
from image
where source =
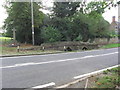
[(51, 34)]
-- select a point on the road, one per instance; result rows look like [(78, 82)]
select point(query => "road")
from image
[(58, 69)]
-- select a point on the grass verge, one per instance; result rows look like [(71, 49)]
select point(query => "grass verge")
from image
[(9, 51), (106, 80), (111, 45), (109, 79)]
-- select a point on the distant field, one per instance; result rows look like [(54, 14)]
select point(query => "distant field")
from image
[(3, 38)]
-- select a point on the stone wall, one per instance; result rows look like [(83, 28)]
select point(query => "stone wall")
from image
[(72, 45), (102, 41), (76, 45)]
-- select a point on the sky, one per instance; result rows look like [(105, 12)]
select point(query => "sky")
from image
[(107, 15)]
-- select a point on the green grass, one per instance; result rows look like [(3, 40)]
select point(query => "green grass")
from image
[(111, 45), (110, 79), (3, 38), (13, 51)]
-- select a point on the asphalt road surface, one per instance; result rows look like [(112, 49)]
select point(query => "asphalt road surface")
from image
[(53, 69)]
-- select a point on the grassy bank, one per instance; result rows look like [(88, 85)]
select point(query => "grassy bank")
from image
[(111, 45), (5, 50), (109, 79), (106, 80)]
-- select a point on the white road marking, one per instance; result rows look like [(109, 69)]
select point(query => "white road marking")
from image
[(86, 84), (55, 54), (45, 85), (56, 61), (80, 79), (95, 72), (18, 65)]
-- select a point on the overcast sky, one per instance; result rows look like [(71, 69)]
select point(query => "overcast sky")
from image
[(107, 15)]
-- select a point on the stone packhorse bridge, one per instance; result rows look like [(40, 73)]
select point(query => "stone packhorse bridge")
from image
[(69, 46)]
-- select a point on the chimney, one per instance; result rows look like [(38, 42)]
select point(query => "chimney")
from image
[(113, 19)]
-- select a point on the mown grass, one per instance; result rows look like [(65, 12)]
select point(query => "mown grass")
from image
[(7, 38), (110, 79), (6, 50), (111, 45), (13, 51)]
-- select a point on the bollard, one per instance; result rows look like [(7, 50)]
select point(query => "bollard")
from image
[(64, 48), (18, 48), (43, 48)]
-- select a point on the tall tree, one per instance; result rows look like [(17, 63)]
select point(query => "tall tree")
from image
[(96, 6), (19, 18), (63, 9)]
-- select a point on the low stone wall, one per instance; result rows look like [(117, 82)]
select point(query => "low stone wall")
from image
[(76, 45), (103, 41), (114, 40), (72, 45)]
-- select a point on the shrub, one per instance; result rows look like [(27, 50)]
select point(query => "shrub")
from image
[(51, 34)]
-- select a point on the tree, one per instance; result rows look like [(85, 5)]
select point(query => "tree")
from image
[(86, 27), (19, 18), (62, 11), (65, 9), (84, 23), (81, 26), (96, 6)]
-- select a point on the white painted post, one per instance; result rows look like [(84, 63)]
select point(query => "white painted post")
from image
[(32, 17), (119, 12), (118, 20), (14, 34), (43, 48), (18, 48), (64, 48)]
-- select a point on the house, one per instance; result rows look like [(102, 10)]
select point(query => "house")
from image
[(114, 26)]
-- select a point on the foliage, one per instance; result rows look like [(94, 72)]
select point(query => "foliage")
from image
[(89, 27), (65, 9), (96, 7), (79, 21), (81, 26), (51, 34), (84, 24), (19, 18), (102, 27)]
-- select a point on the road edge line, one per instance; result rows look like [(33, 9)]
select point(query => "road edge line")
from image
[(95, 72), (76, 80), (44, 86)]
